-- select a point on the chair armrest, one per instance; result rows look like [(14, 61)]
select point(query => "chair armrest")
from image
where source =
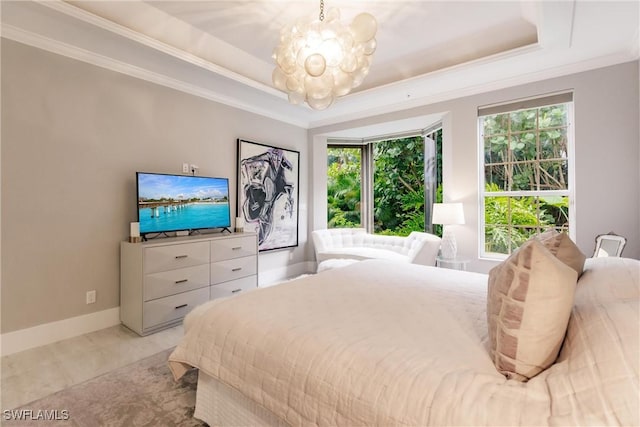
[(424, 248)]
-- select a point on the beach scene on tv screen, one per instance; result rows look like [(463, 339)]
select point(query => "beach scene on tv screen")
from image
[(173, 202)]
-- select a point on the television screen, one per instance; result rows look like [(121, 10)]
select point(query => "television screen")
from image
[(179, 202)]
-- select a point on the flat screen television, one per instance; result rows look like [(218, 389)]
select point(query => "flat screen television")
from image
[(180, 202)]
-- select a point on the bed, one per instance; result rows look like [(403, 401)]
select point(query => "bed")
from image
[(376, 343)]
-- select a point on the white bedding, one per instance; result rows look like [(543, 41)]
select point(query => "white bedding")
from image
[(382, 343)]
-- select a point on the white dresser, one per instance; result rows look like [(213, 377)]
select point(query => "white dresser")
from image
[(162, 280)]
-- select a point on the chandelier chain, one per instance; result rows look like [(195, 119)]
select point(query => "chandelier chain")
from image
[(321, 17)]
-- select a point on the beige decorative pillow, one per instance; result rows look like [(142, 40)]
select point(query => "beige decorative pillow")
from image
[(561, 245), (529, 302), (547, 234)]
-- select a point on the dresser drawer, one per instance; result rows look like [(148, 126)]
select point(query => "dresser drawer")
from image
[(171, 308), (158, 285), (234, 287), (236, 247), (223, 271), (170, 257)]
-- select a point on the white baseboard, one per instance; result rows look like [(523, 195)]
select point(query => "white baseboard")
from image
[(275, 275), (36, 336), (24, 339)]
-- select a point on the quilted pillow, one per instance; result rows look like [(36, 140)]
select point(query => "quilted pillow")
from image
[(561, 245), (529, 301)]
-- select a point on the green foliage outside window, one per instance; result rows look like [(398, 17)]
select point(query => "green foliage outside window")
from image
[(525, 151), (511, 220), (343, 187), (398, 186)]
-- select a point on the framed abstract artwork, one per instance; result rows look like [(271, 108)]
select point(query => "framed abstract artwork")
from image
[(268, 193)]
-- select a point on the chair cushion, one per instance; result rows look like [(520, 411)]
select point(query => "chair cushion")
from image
[(362, 253), (529, 302), (330, 264)]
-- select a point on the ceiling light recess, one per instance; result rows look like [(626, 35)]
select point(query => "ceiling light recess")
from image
[(321, 59)]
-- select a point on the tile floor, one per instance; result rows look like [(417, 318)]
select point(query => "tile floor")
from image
[(39, 372)]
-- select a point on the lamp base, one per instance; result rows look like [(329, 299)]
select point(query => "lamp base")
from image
[(448, 245)]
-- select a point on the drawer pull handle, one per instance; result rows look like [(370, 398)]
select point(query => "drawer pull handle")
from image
[(181, 306), (181, 281), (236, 248), (236, 269), (181, 256), (236, 290)]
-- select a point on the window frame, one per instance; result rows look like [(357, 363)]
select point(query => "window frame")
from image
[(364, 180), (540, 102)]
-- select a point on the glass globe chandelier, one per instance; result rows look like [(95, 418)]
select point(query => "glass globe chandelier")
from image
[(321, 59)]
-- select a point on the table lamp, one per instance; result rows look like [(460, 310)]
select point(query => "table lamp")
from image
[(448, 214)]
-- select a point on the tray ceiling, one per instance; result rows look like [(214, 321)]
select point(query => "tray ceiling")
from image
[(427, 51)]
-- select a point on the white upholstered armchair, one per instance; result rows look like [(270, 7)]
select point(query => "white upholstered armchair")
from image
[(356, 243)]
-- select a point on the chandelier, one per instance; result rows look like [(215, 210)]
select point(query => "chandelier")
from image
[(321, 59)]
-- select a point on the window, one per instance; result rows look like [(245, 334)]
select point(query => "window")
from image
[(381, 186), (527, 172), (398, 186), (344, 194)]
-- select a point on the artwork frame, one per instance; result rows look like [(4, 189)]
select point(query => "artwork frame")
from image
[(268, 189)]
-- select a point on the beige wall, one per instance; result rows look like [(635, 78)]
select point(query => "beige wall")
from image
[(607, 145), (73, 136)]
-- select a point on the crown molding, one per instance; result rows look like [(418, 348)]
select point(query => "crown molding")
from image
[(70, 31), (105, 24), (64, 49), (397, 103)]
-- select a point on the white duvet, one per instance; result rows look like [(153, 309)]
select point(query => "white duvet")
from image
[(383, 343)]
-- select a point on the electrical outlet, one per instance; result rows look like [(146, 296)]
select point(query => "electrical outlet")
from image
[(91, 297), (185, 168)]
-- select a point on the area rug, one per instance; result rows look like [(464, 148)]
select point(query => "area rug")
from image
[(141, 394)]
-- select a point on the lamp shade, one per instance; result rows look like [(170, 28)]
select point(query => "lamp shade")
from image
[(447, 213)]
